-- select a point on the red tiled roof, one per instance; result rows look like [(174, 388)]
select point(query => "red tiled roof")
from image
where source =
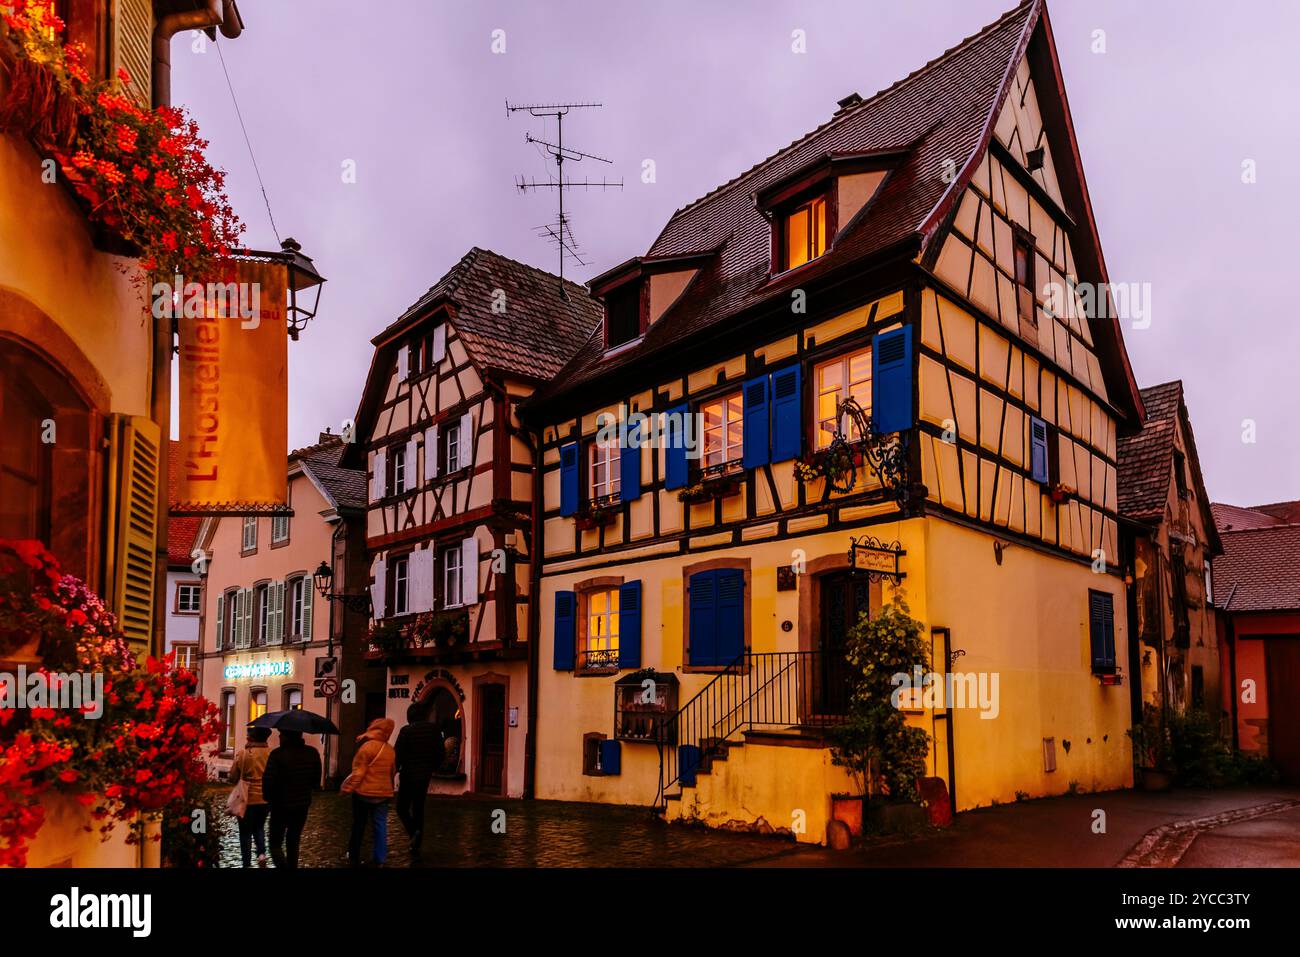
[(1259, 569), (935, 115), (540, 329), (181, 532), (1231, 518)]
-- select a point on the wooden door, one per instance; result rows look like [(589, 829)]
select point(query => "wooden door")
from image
[(1282, 657), (844, 596), (491, 739)]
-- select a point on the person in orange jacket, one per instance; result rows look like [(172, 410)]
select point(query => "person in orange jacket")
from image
[(371, 787)]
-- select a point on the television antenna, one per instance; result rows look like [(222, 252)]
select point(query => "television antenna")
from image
[(560, 232)]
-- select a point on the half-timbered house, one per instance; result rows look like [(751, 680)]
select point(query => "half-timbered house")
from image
[(1168, 541), (452, 486), (922, 253)]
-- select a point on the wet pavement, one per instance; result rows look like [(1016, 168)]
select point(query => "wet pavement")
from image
[(459, 832), (1054, 832)]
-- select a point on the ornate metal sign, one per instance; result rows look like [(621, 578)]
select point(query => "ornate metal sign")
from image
[(876, 559), (885, 454)]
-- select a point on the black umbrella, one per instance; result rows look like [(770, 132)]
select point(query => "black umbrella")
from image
[(308, 722)]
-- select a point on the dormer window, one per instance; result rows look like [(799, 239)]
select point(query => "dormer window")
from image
[(624, 314), (802, 233)]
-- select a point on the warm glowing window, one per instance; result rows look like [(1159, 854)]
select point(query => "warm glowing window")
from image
[(604, 469), (724, 435), (184, 658), (227, 721), (601, 646), (803, 233), (256, 704), (846, 376)]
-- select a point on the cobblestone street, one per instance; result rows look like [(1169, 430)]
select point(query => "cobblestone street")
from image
[(538, 834)]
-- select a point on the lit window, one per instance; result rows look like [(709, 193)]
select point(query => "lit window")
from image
[(451, 577), (724, 435), (803, 233), (399, 585), (184, 660), (293, 699), (601, 646), (256, 704), (453, 448), (250, 533), (227, 720), (604, 469), (187, 599), (847, 376), (279, 528)]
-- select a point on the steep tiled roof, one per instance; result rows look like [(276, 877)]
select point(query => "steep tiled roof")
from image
[(935, 115), (1145, 458), (1259, 569), (1232, 518), (538, 332), (346, 486), (181, 532)]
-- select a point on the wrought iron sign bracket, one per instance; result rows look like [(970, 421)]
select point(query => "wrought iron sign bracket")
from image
[(876, 559)]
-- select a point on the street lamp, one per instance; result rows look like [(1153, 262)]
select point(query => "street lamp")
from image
[(324, 578), (303, 277)]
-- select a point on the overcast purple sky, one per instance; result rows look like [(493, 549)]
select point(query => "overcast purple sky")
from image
[(411, 91)]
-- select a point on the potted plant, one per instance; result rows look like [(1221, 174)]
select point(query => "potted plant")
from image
[(884, 755), (709, 488)]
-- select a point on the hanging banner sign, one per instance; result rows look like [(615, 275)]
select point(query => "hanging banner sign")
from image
[(234, 426)]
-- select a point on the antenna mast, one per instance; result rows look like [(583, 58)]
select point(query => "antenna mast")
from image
[(560, 232)]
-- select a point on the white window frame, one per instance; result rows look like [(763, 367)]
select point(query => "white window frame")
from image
[(185, 655), (452, 577), (453, 448), (189, 608), (731, 413), (860, 388), (604, 469), (401, 585), (607, 634), (249, 541), (399, 471), (279, 529)]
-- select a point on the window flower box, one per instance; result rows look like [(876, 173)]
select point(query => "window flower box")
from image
[(710, 488), (1060, 493), (644, 701), (597, 513), (831, 463)]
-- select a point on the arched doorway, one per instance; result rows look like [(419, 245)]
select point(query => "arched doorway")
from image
[(446, 713), (49, 459)]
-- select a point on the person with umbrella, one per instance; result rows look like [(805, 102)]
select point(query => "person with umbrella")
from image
[(420, 752), (293, 771)]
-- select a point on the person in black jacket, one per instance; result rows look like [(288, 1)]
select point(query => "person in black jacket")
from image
[(419, 753), (292, 772)]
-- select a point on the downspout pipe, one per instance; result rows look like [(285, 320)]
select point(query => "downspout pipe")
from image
[(534, 621), (223, 14)]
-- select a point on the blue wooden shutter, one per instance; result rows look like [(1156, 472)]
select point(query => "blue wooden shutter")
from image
[(787, 415), (566, 629), (891, 380), (629, 485), (754, 399), (703, 636), (730, 629), (611, 757), (629, 625), (1101, 630), (677, 469), (1038, 450), (569, 479)]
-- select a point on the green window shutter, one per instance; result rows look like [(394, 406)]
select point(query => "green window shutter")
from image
[(221, 621), (307, 594), (134, 540)]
